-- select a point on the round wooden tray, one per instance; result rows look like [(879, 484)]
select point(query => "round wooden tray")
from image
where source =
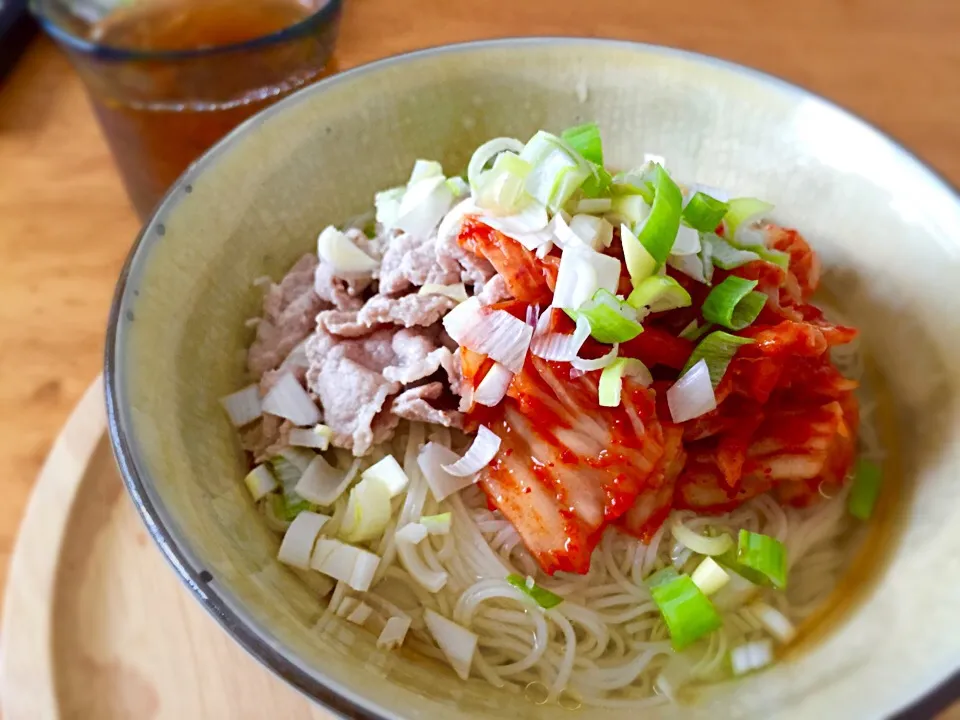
[(95, 625)]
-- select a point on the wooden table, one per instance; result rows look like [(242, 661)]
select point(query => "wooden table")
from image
[(65, 224)]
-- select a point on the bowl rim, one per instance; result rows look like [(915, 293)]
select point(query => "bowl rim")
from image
[(240, 626)]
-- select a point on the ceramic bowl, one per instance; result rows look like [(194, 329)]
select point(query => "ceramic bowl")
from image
[(888, 230)]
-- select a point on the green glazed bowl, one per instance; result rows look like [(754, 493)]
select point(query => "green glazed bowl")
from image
[(887, 228)]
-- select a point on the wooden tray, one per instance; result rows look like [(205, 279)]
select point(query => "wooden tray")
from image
[(95, 625)]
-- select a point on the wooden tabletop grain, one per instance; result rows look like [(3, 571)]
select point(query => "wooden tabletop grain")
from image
[(65, 224)]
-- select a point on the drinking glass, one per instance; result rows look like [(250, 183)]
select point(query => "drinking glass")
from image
[(168, 78)]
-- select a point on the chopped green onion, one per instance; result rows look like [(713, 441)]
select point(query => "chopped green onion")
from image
[(458, 186), (368, 511), (611, 320), (503, 186), (659, 293), (543, 597), (743, 210), (659, 230), (633, 182), (689, 614), (558, 170), (593, 206), (776, 257), (717, 350), (765, 555), (865, 490), (437, 524), (709, 576), (693, 331), (611, 379), (640, 263), (585, 139), (704, 213), (629, 209), (286, 472), (726, 256), (484, 154), (732, 304), (288, 505), (597, 185)]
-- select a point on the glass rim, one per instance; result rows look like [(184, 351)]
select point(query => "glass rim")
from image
[(325, 15)]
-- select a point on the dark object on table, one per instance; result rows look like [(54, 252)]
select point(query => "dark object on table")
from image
[(16, 29)]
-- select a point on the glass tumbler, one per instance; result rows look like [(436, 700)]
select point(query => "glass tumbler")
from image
[(168, 78)]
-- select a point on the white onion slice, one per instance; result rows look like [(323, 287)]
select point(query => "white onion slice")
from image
[(483, 449), (735, 593), (487, 152), (675, 674), (344, 562), (692, 395), (493, 387), (297, 358), (346, 259), (533, 315), (297, 546), (288, 399), (709, 576), (450, 225), (774, 621), (700, 543), (496, 333), (393, 633), (594, 206), (388, 472), (387, 204), (687, 241), (521, 226), (322, 483), (651, 158), (598, 363), (424, 205), (368, 511), (751, 656), (689, 265), (260, 481), (407, 538), (317, 437), (581, 273), (557, 346), (243, 406), (544, 250), (564, 237), (412, 533), (431, 460), (360, 614), (456, 642)]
